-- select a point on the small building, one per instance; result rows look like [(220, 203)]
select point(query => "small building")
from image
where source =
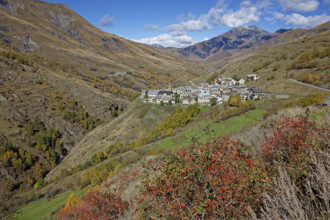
[(256, 93), (218, 99), (188, 101), (244, 96), (225, 98), (165, 93), (185, 101), (252, 77), (152, 93), (167, 100), (152, 99), (204, 92), (240, 81), (187, 95), (204, 100), (143, 92)]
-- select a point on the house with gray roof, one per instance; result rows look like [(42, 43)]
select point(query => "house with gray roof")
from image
[(256, 93)]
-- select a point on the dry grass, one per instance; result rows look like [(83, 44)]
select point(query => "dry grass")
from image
[(126, 183), (288, 202), (310, 199)]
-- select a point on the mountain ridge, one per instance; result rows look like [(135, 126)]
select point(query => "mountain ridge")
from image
[(45, 29), (230, 42)]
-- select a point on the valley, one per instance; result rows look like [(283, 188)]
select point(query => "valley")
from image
[(85, 113)]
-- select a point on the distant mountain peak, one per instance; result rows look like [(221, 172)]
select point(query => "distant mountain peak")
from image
[(245, 29), (233, 41), (254, 28), (157, 46)]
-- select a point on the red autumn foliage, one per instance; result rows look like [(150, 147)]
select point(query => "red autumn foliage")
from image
[(289, 137), (214, 180), (95, 205)]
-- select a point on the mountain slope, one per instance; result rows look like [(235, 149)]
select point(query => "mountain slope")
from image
[(58, 83), (59, 34), (222, 58), (281, 58), (227, 44)]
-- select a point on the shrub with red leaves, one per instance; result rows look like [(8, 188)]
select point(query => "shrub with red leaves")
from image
[(95, 205), (288, 137), (288, 144), (213, 180)]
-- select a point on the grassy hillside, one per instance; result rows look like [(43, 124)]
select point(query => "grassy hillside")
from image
[(45, 208), (67, 120), (275, 65), (58, 34), (128, 127), (218, 60), (58, 76), (201, 130), (182, 139)]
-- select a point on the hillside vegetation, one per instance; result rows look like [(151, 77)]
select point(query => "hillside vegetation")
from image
[(305, 59), (164, 194), (58, 83), (73, 44), (72, 120)]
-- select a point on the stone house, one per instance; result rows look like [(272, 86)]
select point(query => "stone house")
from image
[(252, 77), (204, 100), (240, 81), (256, 93)]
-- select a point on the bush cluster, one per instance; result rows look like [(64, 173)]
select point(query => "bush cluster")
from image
[(17, 158), (256, 68), (16, 56), (46, 140), (215, 180), (306, 60), (312, 99), (94, 205), (78, 115), (230, 112), (180, 119), (288, 137)]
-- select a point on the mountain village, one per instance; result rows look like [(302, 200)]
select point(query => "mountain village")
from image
[(220, 91)]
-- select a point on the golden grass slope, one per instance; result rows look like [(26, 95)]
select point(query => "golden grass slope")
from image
[(56, 32), (276, 59)]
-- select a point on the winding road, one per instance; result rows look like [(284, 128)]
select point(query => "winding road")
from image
[(309, 85)]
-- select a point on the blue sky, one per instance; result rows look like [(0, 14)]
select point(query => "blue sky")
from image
[(181, 23)]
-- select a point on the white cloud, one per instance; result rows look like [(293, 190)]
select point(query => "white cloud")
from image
[(168, 40), (191, 25), (299, 5), (215, 15), (307, 22), (246, 13), (279, 16), (107, 21), (299, 20), (151, 27), (219, 16), (189, 16), (263, 4)]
